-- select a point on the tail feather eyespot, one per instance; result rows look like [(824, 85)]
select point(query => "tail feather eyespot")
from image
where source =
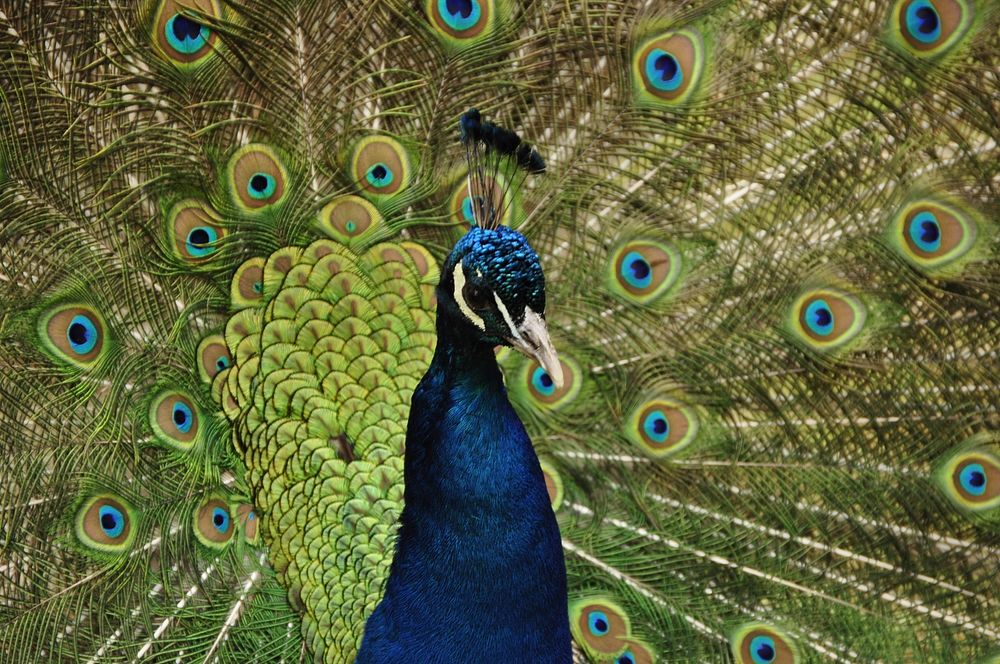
[(668, 69), (213, 523), (75, 334), (106, 523), (758, 643), (380, 166), (257, 177), (180, 33), (929, 28)]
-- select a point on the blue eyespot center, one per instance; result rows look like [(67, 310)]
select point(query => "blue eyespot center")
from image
[(640, 269), (762, 649), (667, 65), (973, 478), (186, 36), (542, 382), (78, 333), (459, 14), (636, 270), (261, 186), (200, 240), (929, 231), (925, 231), (598, 623), (656, 426), (928, 20), (112, 520), (220, 519), (185, 28), (664, 71), (462, 8), (182, 416), (222, 363), (819, 318), (350, 226), (81, 334), (626, 658), (923, 22), (379, 175), (199, 236)]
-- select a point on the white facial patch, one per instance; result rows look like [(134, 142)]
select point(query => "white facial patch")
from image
[(506, 316), (459, 277)]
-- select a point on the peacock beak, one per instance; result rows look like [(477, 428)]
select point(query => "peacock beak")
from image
[(531, 337)]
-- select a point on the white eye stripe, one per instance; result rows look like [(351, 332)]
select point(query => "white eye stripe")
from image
[(459, 277), (506, 316)]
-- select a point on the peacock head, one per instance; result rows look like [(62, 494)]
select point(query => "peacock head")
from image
[(492, 291)]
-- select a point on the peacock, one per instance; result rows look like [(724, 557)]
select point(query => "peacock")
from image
[(631, 332)]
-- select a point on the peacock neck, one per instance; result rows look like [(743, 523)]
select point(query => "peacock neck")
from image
[(479, 550), (467, 362)]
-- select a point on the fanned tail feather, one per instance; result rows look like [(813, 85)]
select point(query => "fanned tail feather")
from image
[(769, 235)]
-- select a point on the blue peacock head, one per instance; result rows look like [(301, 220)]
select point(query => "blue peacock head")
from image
[(492, 285)]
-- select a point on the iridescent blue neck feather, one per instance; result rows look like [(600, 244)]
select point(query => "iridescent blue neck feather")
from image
[(478, 574)]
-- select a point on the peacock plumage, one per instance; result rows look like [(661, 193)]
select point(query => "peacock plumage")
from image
[(253, 256)]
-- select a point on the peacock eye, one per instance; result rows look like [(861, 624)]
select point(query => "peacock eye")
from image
[(74, 333), (261, 186), (476, 297), (112, 521), (757, 643), (193, 231), (182, 417), (827, 319), (213, 523), (185, 35), (186, 39), (257, 177), (461, 22), (379, 175), (973, 479), (762, 649), (105, 523), (662, 426), (380, 166), (174, 419), (82, 334), (667, 69), (220, 519), (199, 241), (597, 621), (929, 28)]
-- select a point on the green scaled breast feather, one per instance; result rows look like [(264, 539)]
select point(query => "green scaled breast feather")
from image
[(324, 361)]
